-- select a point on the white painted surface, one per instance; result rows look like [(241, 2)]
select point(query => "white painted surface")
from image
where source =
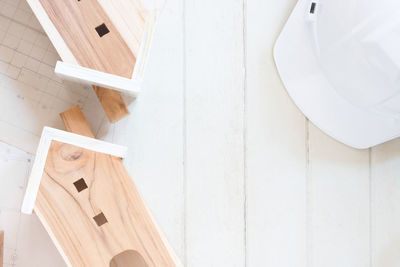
[(214, 133), (232, 171), (90, 77)]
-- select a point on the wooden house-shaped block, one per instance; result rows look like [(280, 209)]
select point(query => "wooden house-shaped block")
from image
[(104, 43), (88, 203)]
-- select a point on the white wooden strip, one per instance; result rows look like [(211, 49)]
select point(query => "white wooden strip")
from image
[(385, 204), (276, 148), (153, 130), (339, 197), (215, 227), (145, 47), (51, 31), (94, 77), (49, 135)]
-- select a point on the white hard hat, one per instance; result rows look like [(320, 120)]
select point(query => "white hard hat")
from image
[(340, 62)]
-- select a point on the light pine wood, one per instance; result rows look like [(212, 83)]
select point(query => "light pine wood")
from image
[(129, 16), (76, 22), (68, 214), (1, 248), (68, 211), (128, 258), (112, 103), (75, 122)]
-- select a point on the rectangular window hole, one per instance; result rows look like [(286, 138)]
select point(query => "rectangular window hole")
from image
[(100, 219), (102, 30), (80, 185), (313, 6)]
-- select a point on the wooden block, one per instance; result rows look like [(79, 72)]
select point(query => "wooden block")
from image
[(91, 208), (49, 135), (1, 248), (91, 36), (82, 24), (112, 103), (75, 122)]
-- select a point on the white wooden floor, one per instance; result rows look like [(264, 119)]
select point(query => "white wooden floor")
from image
[(232, 171)]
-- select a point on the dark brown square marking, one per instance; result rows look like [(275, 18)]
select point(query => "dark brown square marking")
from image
[(100, 219), (80, 185), (102, 30)]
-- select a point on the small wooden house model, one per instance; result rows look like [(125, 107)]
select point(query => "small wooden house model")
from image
[(103, 43), (89, 205)]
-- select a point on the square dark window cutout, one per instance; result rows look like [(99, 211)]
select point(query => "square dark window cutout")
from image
[(102, 30), (100, 219), (80, 185)]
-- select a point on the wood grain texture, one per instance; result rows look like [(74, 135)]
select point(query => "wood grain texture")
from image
[(75, 122), (128, 258), (1, 248), (112, 103), (76, 22), (129, 17), (69, 215), (109, 215)]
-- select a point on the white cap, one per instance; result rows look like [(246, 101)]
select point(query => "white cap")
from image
[(340, 62)]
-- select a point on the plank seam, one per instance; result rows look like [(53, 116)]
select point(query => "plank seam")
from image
[(184, 132), (245, 171), (308, 200)]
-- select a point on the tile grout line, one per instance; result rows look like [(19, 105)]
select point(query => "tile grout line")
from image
[(245, 173), (184, 134), (20, 23)]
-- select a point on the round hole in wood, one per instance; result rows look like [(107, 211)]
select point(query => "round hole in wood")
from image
[(128, 258)]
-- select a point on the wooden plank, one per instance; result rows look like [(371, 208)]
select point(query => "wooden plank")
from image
[(153, 132), (215, 226), (79, 24), (338, 203), (385, 208), (75, 122), (1, 248), (112, 103), (93, 211), (276, 158)]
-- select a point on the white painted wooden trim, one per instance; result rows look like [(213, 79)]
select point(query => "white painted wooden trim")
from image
[(147, 39), (94, 77), (49, 135)]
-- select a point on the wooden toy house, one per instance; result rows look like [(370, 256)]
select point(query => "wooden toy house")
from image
[(88, 203), (103, 43)]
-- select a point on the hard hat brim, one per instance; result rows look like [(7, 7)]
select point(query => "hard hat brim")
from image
[(296, 60)]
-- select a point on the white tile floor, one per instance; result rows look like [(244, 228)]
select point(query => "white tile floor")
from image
[(26, 242)]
